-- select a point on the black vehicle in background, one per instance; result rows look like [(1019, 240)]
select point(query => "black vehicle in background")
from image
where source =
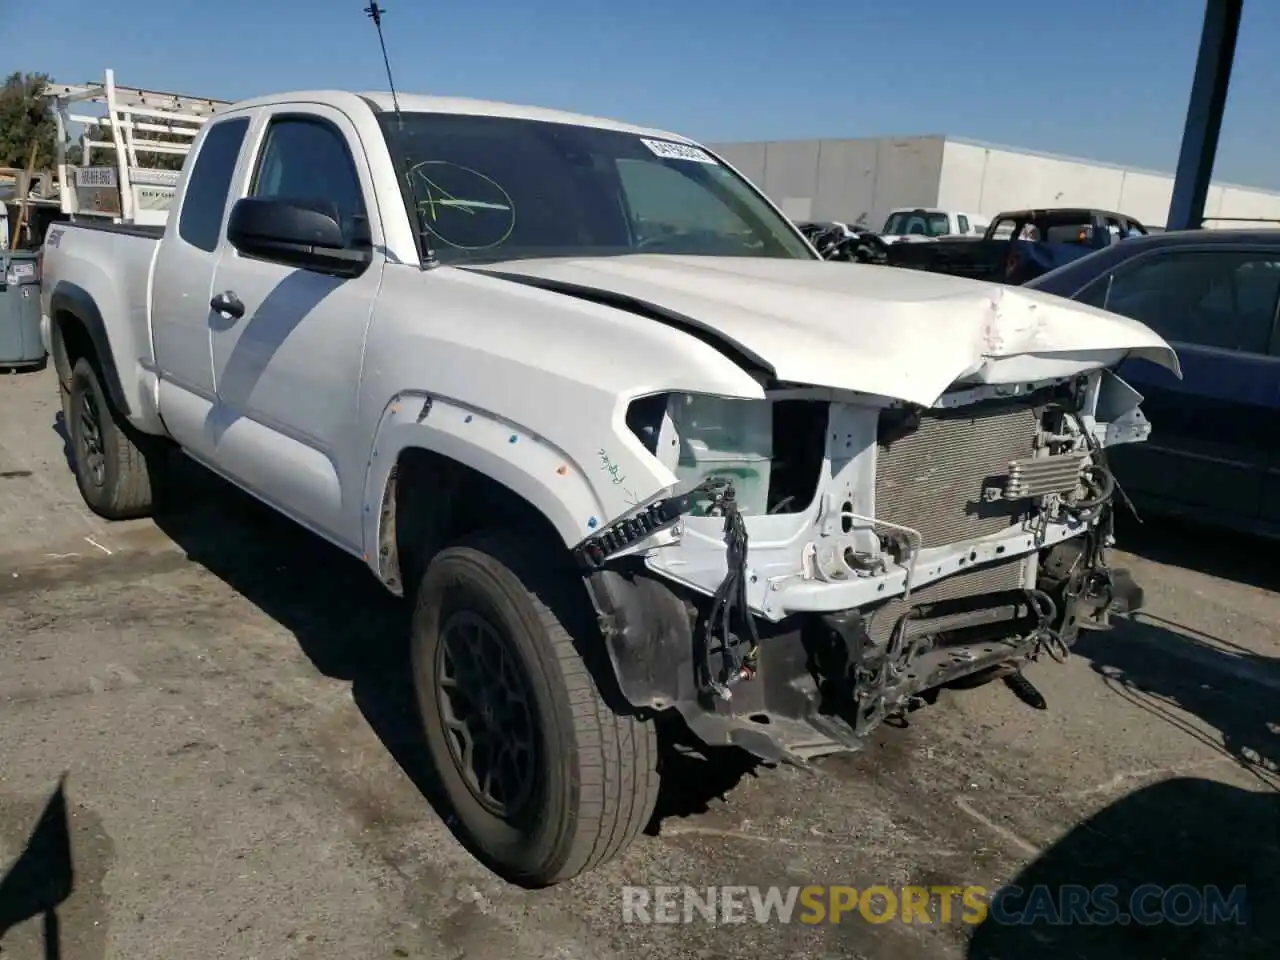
[(1020, 244), (1214, 450)]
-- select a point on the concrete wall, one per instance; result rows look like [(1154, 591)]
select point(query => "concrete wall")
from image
[(849, 180), (864, 179), (988, 180)]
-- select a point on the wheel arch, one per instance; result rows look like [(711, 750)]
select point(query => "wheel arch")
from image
[(77, 330), (435, 462)]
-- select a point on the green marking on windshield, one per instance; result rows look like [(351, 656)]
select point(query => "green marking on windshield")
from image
[(437, 196)]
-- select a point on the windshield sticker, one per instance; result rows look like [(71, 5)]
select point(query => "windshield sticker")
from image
[(677, 151)]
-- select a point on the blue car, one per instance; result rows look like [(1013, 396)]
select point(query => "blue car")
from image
[(1214, 450)]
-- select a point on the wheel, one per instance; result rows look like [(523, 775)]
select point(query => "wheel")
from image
[(545, 780), (114, 469)]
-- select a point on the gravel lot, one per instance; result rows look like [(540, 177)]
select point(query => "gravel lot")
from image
[(227, 698)]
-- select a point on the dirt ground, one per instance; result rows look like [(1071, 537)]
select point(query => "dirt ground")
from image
[(227, 699)]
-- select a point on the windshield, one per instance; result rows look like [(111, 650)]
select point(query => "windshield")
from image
[(498, 188), (918, 223)]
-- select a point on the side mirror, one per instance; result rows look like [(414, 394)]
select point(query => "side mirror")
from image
[(300, 233)]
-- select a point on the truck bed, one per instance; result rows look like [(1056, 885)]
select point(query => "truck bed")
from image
[(110, 265), (154, 231), (978, 258)]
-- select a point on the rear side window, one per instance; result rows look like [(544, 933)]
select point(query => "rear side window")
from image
[(963, 222), (1224, 299), (1081, 233), (1094, 293), (1004, 229), (200, 223)]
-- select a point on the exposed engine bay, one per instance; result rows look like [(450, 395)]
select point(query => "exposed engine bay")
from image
[(830, 561)]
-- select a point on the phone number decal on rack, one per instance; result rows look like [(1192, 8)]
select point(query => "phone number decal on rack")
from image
[(677, 151), (96, 176)]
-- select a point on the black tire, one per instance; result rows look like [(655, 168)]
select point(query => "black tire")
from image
[(595, 779), (64, 398), (116, 467)]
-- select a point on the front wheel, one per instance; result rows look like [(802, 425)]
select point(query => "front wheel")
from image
[(545, 779)]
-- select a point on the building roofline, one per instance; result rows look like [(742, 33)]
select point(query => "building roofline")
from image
[(1127, 168), (1008, 148)]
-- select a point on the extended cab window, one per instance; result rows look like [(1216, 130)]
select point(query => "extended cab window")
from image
[(917, 223), (1224, 299), (306, 158), (205, 200), (1081, 233), (962, 222), (1004, 229)]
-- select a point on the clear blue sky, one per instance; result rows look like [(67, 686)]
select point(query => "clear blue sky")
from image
[(1104, 79)]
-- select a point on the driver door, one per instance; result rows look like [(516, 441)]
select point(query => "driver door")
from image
[(287, 369)]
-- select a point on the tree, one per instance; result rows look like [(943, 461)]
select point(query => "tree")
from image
[(26, 118)]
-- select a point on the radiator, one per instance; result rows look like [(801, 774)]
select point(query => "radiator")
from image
[(997, 577), (932, 479)]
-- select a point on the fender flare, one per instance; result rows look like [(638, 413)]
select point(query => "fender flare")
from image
[(74, 300), (528, 465)]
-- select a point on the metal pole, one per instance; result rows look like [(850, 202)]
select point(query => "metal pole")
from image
[(1204, 113), (122, 156)]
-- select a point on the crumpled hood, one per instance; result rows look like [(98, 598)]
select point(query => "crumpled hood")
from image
[(903, 334)]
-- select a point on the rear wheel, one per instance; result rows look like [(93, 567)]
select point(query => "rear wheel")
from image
[(116, 466), (545, 779)]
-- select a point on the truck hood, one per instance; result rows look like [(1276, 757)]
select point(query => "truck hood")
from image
[(902, 334)]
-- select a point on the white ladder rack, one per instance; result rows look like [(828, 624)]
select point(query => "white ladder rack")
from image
[(135, 98), (127, 189)]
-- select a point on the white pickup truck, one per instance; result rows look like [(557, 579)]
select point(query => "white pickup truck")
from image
[(918, 225), (582, 393)]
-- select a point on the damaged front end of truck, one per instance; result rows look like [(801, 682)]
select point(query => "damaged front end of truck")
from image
[(830, 560)]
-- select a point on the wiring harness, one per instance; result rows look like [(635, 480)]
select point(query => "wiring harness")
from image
[(729, 609)]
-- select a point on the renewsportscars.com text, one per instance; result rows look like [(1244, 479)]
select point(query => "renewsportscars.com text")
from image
[(1067, 904)]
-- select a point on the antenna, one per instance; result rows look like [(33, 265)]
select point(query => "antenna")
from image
[(375, 12), (427, 258)]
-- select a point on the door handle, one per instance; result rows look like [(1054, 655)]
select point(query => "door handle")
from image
[(228, 303)]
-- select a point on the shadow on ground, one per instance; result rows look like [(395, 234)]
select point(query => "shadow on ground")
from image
[(694, 774), (353, 630), (1225, 554), (1184, 868), (1192, 863), (60, 428), (1171, 671), (55, 883)]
